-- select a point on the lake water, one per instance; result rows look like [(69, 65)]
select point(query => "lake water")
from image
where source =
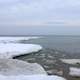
[(70, 44), (55, 48)]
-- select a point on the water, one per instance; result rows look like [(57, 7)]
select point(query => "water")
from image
[(55, 48), (70, 44)]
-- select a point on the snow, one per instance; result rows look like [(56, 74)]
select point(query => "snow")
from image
[(31, 77), (74, 72), (13, 67), (10, 50), (15, 39), (71, 61)]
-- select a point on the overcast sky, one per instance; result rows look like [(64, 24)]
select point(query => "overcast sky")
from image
[(19, 17)]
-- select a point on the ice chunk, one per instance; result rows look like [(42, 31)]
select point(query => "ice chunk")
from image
[(71, 61), (31, 77), (15, 39), (13, 67), (10, 50), (74, 72)]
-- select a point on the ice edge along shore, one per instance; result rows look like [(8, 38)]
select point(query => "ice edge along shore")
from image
[(22, 69)]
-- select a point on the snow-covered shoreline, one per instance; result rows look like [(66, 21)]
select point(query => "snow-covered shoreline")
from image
[(15, 39), (11, 50), (12, 69), (31, 77)]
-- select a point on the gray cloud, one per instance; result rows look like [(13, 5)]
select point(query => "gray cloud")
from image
[(40, 9), (39, 12)]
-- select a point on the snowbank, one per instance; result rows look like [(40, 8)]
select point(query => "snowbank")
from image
[(10, 50), (15, 39), (71, 61), (32, 77), (13, 67), (74, 72)]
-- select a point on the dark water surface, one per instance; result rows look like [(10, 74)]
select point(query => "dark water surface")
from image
[(55, 48)]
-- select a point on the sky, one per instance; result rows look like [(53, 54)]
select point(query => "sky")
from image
[(37, 17)]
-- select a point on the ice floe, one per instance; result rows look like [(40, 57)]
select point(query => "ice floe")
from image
[(71, 61), (74, 72), (13, 67), (15, 39), (31, 77), (10, 50)]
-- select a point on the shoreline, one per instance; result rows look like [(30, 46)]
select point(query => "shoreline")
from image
[(50, 61)]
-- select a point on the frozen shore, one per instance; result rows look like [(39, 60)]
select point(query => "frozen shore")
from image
[(71, 61), (12, 69), (10, 50), (15, 39), (35, 77), (75, 72)]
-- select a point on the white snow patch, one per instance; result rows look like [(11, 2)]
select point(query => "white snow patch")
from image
[(10, 50), (15, 39), (13, 67), (71, 61), (31, 77), (74, 72)]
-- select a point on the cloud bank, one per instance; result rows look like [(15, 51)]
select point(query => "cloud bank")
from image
[(42, 11)]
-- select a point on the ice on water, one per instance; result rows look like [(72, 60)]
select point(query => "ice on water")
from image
[(15, 39), (12, 69), (74, 71), (71, 61), (32, 77), (10, 50)]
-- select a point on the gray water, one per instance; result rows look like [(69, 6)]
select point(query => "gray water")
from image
[(70, 44), (55, 48)]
